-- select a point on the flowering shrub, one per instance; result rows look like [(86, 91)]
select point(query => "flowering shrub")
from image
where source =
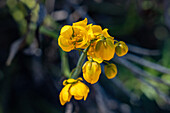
[(98, 46)]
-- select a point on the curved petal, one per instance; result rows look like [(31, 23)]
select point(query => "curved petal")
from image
[(90, 33), (78, 97), (106, 34), (69, 81), (66, 31), (65, 95), (79, 90), (65, 44), (97, 29), (96, 59), (82, 23)]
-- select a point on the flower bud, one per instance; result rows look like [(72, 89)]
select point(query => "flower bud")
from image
[(121, 48), (110, 70), (91, 71), (105, 49)]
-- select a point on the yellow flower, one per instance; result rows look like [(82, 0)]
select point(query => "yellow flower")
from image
[(110, 70), (73, 87), (121, 48), (75, 36), (102, 44), (91, 71), (105, 48), (102, 47), (79, 38), (80, 35)]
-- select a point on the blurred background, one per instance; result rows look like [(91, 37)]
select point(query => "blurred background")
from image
[(32, 65)]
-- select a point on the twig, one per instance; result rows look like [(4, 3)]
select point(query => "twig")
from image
[(138, 70), (46, 31), (82, 13), (15, 47), (69, 108), (147, 63), (100, 99), (143, 51)]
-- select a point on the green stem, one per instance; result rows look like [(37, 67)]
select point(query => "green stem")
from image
[(53, 34), (106, 62), (80, 63), (65, 69), (48, 32)]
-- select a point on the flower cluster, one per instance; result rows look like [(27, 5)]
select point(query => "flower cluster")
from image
[(101, 48), (74, 88)]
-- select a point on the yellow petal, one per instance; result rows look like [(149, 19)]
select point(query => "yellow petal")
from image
[(79, 79), (89, 26), (121, 48), (91, 71), (69, 81), (78, 97), (65, 82), (65, 44), (105, 33), (65, 95), (72, 81), (96, 59), (82, 23), (66, 31), (80, 36), (105, 49), (110, 70), (90, 33), (79, 90), (97, 29)]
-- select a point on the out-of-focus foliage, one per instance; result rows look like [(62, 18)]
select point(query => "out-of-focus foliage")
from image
[(36, 66)]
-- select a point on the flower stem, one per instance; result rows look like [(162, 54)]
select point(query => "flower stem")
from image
[(106, 62), (65, 69), (80, 63)]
